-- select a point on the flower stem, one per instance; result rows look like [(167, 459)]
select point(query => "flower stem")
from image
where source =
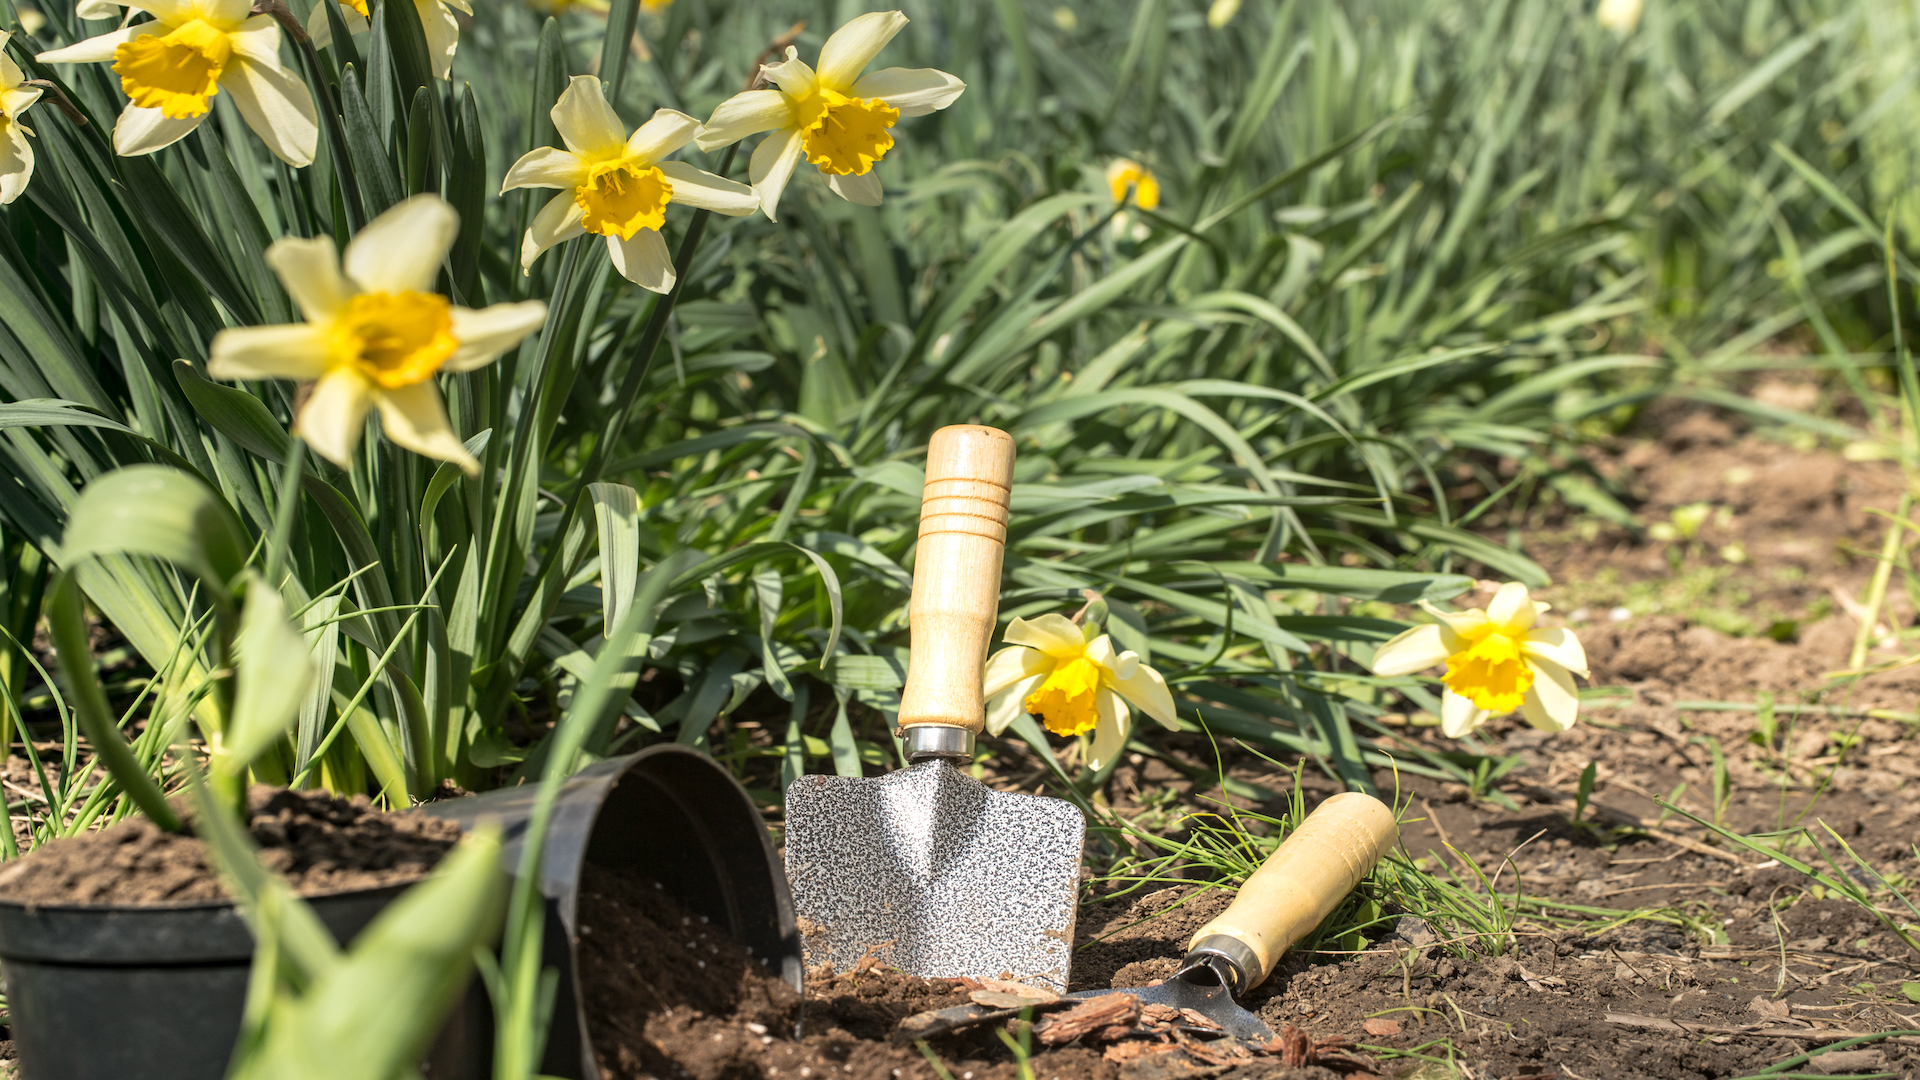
[(330, 112)]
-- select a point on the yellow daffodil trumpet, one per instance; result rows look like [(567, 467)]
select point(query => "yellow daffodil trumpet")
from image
[(1073, 685), (1125, 174), (838, 119), (376, 334), (1497, 662), (172, 67), (618, 185), (436, 19), (16, 153)]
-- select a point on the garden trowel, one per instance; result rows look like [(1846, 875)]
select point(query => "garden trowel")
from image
[(927, 869)]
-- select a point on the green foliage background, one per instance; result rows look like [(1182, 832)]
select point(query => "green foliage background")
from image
[(1397, 236)]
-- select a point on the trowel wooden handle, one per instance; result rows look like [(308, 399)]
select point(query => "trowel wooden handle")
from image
[(956, 576), (1306, 877)]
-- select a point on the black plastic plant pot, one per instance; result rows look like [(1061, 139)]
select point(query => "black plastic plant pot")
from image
[(670, 813), (154, 993)]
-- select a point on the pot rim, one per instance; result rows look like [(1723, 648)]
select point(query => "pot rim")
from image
[(31, 908)]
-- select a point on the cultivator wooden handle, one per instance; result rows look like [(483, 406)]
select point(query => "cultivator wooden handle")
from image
[(956, 588), (1305, 878)]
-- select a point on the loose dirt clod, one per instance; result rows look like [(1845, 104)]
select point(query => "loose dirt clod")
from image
[(321, 843)]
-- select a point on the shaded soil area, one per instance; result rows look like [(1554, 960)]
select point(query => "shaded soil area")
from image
[(321, 843)]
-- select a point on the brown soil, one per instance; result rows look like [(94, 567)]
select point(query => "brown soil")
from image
[(321, 843), (654, 1010), (1649, 947)]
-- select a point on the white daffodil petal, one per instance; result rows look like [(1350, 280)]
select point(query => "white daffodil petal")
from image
[(1552, 703), (705, 191), (1147, 689), (1012, 664), (1120, 665), (1411, 650), (99, 50), (258, 39), (222, 14), (290, 351), (914, 91), (1110, 733), (443, 35), (643, 260), (1461, 622), (792, 75), (492, 330), (142, 131), (772, 166), (852, 47), (16, 164), (587, 124), (402, 249), (1458, 715), (556, 222), (1558, 645), (664, 132), (863, 189), (1511, 610), (310, 272), (18, 99), (546, 166), (1011, 703), (10, 73), (415, 417), (1052, 633), (97, 9), (320, 29), (1117, 665), (277, 106), (171, 12), (335, 414), (742, 115)]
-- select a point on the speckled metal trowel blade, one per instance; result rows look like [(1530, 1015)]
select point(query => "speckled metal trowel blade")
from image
[(935, 874)]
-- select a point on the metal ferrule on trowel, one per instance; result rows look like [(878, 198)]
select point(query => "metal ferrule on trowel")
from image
[(928, 869), (1305, 878)]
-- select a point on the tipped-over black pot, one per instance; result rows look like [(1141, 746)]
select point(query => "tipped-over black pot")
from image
[(672, 814), (157, 993)]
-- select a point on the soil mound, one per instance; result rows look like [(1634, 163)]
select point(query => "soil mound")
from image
[(320, 842)]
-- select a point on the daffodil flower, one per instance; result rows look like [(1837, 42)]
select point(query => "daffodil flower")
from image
[(172, 67), (1073, 685), (1619, 16), (436, 19), (1497, 661), (1125, 173), (375, 334), (837, 118), (618, 186), (16, 153)]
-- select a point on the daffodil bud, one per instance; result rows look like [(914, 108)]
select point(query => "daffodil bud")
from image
[(1095, 622)]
